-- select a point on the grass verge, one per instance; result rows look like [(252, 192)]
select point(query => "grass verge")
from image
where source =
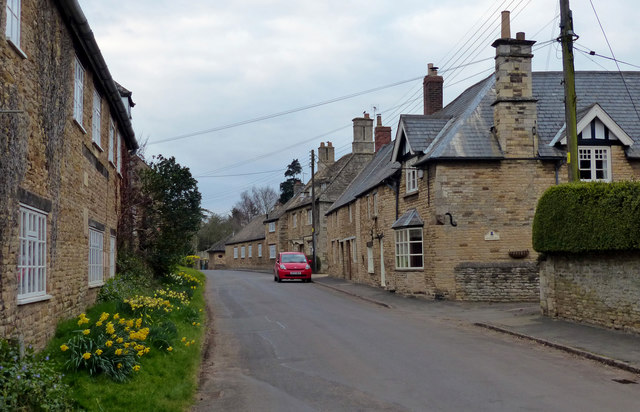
[(166, 381)]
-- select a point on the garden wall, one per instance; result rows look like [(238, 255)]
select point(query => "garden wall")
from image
[(601, 289), (497, 282)]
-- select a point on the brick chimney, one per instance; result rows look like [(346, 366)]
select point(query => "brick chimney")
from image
[(326, 155), (432, 90), (363, 135), (515, 110), (382, 134)]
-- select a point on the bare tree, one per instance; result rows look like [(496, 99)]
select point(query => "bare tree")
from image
[(251, 204), (265, 197)]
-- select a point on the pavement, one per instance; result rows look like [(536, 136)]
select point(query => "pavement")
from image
[(524, 320)]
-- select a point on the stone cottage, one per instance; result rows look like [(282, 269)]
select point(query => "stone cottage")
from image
[(454, 220), (65, 135), (247, 249)]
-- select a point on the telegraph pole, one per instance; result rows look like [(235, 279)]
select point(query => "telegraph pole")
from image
[(567, 36), (313, 209)]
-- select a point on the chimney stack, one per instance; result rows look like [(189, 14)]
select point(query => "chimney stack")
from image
[(326, 155), (515, 110), (432, 90), (362, 135), (382, 134)]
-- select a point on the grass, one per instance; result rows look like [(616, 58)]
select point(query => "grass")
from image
[(166, 381)]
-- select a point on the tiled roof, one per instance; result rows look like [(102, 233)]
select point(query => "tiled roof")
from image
[(411, 218), (375, 172), (254, 230), (462, 130), (219, 245)]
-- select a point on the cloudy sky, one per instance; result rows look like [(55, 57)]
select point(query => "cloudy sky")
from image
[(197, 68)]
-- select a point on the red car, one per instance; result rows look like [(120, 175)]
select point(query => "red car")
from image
[(292, 265)]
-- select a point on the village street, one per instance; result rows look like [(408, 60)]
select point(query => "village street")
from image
[(297, 347)]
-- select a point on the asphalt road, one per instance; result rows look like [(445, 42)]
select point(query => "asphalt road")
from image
[(304, 347)]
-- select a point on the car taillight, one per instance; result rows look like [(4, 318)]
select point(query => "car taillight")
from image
[(283, 267)]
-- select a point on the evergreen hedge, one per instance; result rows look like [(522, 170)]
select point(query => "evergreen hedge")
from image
[(588, 217)]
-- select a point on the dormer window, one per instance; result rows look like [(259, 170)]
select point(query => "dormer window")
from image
[(411, 176)]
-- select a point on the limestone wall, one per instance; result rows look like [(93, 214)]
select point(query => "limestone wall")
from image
[(602, 289), (497, 282), (253, 262)]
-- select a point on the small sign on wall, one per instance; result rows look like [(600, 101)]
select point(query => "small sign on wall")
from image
[(492, 235)]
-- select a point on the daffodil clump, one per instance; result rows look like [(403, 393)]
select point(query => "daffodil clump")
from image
[(191, 260), (184, 279), (112, 345), (175, 297), (149, 307)]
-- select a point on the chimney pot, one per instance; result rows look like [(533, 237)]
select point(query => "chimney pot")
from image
[(379, 120), (329, 144), (432, 88), (366, 115), (506, 25), (520, 35), (382, 134)]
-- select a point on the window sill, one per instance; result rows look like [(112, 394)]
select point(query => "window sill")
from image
[(410, 269), (17, 49), (79, 125), (97, 145), (411, 194), (95, 285), (34, 299)]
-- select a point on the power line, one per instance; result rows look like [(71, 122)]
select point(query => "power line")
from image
[(241, 174), (278, 114), (593, 53), (614, 59)]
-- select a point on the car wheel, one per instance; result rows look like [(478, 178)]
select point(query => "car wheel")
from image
[(279, 280)]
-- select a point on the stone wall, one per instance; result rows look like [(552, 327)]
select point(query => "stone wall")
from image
[(497, 282), (61, 167), (599, 289), (253, 262)]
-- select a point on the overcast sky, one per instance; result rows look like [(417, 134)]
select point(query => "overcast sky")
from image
[(201, 65)]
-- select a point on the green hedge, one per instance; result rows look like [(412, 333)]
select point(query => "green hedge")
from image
[(583, 217)]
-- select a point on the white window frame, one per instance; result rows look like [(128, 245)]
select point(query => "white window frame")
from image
[(370, 267), (242, 252), (112, 132), (350, 213), (404, 251), (375, 204), (250, 251), (32, 257), (96, 254), (95, 121), (272, 251), (118, 153), (78, 93), (259, 250), (235, 252), (309, 217), (12, 30), (295, 220), (112, 256), (411, 177), (272, 227), (589, 153), (354, 258)]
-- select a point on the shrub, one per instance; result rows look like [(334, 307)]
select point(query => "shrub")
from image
[(29, 383), (581, 217), (133, 277)]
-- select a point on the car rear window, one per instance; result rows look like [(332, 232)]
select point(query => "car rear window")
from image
[(294, 259)]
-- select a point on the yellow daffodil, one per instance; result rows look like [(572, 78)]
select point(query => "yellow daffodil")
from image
[(104, 316), (119, 366), (99, 352), (170, 348), (119, 340), (194, 324), (87, 355), (108, 343), (136, 368), (140, 352), (146, 350), (99, 323), (193, 342), (184, 339), (110, 329), (64, 347), (86, 332), (116, 316), (118, 351)]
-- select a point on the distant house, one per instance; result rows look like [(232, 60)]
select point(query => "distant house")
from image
[(246, 249), (217, 254), (457, 192), (65, 138), (331, 179)]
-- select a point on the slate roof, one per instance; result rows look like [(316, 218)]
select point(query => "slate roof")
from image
[(336, 177), (462, 130), (411, 218), (376, 171), (254, 230), (219, 245)]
